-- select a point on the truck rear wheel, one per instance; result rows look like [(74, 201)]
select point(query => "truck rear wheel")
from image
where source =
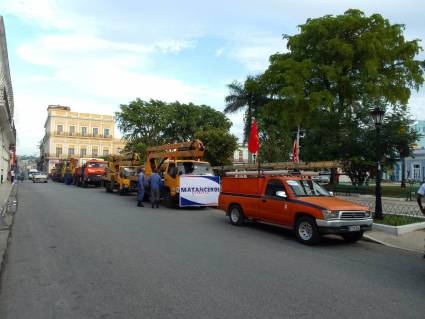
[(168, 200), (352, 237), (306, 231), (236, 216)]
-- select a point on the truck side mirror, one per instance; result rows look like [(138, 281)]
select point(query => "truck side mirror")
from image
[(331, 194), (281, 194)]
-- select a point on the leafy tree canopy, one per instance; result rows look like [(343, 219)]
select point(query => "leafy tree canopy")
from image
[(154, 122), (336, 70)]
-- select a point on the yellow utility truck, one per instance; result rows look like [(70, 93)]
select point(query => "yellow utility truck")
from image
[(121, 173), (174, 160)]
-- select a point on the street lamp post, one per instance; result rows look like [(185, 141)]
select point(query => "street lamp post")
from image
[(378, 116)]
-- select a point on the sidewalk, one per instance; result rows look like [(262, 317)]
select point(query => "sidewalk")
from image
[(5, 220), (5, 190), (414, 241)]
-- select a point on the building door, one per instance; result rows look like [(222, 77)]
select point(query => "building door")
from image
[(416, 171)]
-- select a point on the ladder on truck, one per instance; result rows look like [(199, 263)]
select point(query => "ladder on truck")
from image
[(157, 155)]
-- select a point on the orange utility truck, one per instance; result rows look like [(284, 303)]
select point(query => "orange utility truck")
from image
[(292, 201), (89, 171)]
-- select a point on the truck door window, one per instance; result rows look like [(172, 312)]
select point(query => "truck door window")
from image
[(273, 186)]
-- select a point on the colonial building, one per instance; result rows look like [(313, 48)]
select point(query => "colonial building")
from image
[(415, 164), (72, 135), (242, 156), (7, 126), (419, 126)]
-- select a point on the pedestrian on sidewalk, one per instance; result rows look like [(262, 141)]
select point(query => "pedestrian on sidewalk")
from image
[(12, 176), (419, 194), (1, 178), (140, 187), (155, 185)]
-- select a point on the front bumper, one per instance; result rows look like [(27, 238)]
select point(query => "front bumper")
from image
[(94, 178), (339, 226)]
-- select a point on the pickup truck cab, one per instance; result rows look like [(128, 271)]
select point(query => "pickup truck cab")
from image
[(294, 202)]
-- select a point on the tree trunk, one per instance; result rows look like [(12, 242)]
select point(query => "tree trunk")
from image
[(403, 172)]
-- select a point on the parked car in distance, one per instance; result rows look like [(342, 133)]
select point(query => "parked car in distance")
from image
[(31, 173), (39, 177), (294, 202)]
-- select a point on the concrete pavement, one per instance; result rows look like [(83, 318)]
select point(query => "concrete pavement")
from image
[(83, 253), (5, 220)]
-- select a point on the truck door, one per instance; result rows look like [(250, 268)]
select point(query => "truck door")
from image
[(272, 207)]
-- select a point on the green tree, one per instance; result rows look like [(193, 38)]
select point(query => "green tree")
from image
[(336, 70), (219, 145), (149, 123)]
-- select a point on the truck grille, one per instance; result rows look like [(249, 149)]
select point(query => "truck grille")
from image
[(353, 215)]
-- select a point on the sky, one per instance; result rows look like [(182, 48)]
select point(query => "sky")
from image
[(95, 55)]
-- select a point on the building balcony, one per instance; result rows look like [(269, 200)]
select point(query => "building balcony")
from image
[(79, 135), (53, 156)]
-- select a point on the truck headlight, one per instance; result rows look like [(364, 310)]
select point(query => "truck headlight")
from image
[(367, 214), (330, 214)]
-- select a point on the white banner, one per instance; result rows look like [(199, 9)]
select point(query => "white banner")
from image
[(199, 190)]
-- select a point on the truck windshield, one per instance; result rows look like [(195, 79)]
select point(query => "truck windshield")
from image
[(307, 188), (96, 165), (126, 172), (194, 168)]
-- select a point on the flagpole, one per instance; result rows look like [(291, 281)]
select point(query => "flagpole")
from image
[(258, 163), (298, 144)]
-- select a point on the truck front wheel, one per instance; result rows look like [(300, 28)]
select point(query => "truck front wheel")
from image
[(306, 231), (352, 237), (236, 216)]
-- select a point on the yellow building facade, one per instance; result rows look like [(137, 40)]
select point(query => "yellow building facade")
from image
[(73, 135)]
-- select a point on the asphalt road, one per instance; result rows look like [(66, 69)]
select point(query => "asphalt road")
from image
[(82, 253)]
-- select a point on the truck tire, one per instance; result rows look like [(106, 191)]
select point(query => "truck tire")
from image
[(306, 231), (168, 202), (236, 216), (352, 237), (108, 187)]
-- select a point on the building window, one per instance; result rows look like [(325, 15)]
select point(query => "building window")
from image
[(95, 131), (105, 152), (94, 152), (60, 129), (71, 151), (106, 132), (84, 131), (240, 156), (58, 151), (72, 130), (83, 152)]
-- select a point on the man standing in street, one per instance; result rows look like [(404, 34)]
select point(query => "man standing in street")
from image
[(155, 184), (12, 176), (419, 194), (140, 187)]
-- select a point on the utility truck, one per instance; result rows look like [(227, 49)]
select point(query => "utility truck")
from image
[(292, 201), (88, 171), (121, 173), (179, 161)]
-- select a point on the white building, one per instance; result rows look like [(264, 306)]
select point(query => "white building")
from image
[(7, 126), (242, 156)]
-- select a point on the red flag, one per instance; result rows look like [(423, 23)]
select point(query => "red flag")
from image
[(295, 155), (253, 143)]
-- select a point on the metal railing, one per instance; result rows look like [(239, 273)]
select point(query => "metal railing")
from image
[(78, 134), (396, 212)]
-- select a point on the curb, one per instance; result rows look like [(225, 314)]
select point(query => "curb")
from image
[(8, 211), (377, 241)]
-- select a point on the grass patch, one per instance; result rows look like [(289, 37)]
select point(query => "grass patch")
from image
[(398, 220)]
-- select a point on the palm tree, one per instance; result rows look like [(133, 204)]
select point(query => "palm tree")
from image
[(245, 95)]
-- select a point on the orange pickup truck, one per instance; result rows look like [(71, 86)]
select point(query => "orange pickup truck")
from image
[(294, 202)]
